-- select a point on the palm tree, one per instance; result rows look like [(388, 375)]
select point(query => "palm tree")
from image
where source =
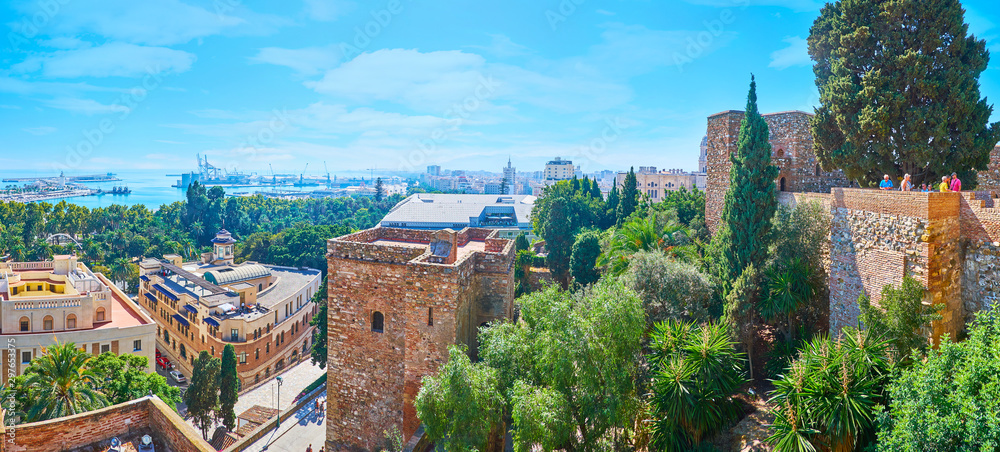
[(197, 229), (645, 235), (61, 383)]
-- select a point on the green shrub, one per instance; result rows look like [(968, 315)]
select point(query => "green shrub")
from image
[(950, 401), (672, 290)]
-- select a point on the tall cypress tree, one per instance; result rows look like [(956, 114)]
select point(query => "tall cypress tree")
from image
[(899, 91), (202, 395), (595, 190), (629, 197), (229, 387), (750, 202)]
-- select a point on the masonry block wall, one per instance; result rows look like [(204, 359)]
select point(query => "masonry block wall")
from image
[(791, 151), (989, 180), (374, 376)]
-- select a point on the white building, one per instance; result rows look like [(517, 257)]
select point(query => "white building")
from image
[(63, 301), (559, 169)]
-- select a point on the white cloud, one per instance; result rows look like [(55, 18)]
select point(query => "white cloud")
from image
[(160, 22), (64, 42), (307, 61), (503, 47), (43, 130), (796, 54), (84, 106), (327, 10), (116, 59), (605, 12), (455, 82)]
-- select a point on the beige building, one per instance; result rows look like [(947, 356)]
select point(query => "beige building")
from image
[(656, 184), (559, 169), (262, 310), (42, 303)]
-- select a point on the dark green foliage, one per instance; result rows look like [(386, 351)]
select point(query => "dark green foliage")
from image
[(202, 395), (899, 91), (124, 377), (379, 190), (629, 197), (901, 317), (801, 235), (271, 231), (655, 232), (696, 372), (229, 387), (786, 289), (744, 235), (60, 383), (670, 289), (521, 243), (461, 406), (557, 384), (828, 397), (949, 402), (319, 351), (583, 261), (558, 216), (611, 214), (740, 308)]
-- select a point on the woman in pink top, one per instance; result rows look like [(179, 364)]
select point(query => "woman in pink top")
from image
[(956, 185)]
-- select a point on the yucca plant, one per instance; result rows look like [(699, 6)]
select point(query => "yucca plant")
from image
[(696, 371), (827, 397)]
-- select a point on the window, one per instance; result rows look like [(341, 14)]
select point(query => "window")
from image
[(100, 314), (817, 169), (213, 350), (378, 322), (184, 353), (47, 323), (25, 324), (243, 358), (256, 354), (267, 349), (71, 321), (105, 348), (136, 345), (26, 357), (166, 336), (430, 316), (234, 334)]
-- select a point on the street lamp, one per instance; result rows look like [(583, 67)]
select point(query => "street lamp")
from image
[(279, 402)]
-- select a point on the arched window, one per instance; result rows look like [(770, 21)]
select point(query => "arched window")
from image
[(71, 322), (100, 315), (378, 322), (782, 184), (780, 153), (430, 316), (183, 351), (25, 324), (47, 323)]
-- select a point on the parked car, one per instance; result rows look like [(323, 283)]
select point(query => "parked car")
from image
[(178, 377), (163, 362)]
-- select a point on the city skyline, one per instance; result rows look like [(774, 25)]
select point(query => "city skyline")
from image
[(608, 85)]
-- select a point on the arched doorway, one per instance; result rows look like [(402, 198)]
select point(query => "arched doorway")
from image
[(781, 184)]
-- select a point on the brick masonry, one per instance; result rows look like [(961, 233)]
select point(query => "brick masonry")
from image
[(82, 431), (374, 377), (791, 151)]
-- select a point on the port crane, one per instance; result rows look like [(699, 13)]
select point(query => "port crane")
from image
[(274, 179), (328, 181), (302, 177)]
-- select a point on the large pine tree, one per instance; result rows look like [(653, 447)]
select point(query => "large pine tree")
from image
[(899, 90), (750, 202), (229, 387)]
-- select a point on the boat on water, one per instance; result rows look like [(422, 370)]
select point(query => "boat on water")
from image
[(122, 191)]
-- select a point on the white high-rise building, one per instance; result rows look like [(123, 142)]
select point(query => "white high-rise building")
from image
[(509, 175)]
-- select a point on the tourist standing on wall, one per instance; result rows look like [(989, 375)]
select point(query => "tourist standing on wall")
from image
[(944, 184), (906, 185), (886, 184), (956, 185)]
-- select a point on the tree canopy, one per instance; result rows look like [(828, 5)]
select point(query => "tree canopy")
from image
[(899, 90)]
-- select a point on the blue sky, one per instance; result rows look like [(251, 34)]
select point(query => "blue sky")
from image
[(397, 85)]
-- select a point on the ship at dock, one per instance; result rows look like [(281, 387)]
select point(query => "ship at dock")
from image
[(209, 174)]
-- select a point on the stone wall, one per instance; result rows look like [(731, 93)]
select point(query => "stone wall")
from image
[(877, 237), (990, 178), (85, 429), (374, 377), (791, 151)]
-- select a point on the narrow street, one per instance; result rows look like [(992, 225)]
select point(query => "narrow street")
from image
[(306, 427)]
